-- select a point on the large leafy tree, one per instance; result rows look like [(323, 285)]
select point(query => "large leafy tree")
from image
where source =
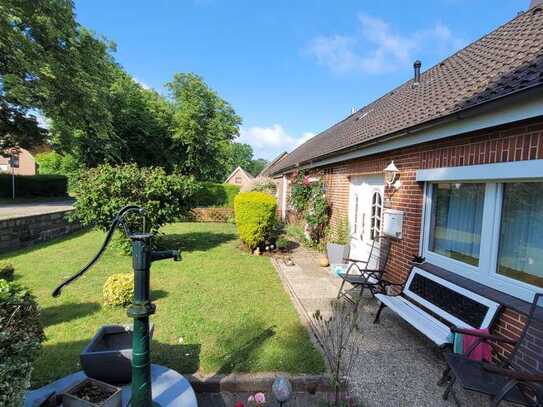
[(50, 64), (238, 154), (204, 127)]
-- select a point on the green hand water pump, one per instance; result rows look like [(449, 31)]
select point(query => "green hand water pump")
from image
[(142, 307)]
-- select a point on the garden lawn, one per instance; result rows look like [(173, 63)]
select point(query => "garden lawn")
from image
[(218, 310)]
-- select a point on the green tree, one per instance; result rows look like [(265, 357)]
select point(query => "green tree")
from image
[(238, 154), (205, 125), (50, 64), (257, 166), (142, 121)]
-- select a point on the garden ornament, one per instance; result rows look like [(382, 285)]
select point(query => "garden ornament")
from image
[(142, 307), (282, 389)]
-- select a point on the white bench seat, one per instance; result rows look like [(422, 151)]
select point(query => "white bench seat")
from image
[(433, 329), (426, 296)]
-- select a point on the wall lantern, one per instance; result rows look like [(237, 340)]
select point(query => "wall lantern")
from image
[(392, 175)]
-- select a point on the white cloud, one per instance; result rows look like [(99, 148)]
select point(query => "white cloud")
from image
[(268, 142), (142, 84), (377, 48)]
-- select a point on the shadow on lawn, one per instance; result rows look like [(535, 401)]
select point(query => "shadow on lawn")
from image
[(183, 358), (66, 312), (239, 360), (194, 241)]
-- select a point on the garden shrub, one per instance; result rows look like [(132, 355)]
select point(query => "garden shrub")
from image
[(106, 189), (34, 185), (216, 195), (255, 216), (52, 162), (264, 184), (21, 335), (119, 290), (6, 270)]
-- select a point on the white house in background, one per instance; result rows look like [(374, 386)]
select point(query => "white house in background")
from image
[(241, 178)]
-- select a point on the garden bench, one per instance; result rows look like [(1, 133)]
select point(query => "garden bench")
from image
[(433, 306)]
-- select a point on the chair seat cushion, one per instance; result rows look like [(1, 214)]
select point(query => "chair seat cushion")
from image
[(472, 376)]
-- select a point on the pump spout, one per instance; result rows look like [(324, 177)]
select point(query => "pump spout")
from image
[(166, 254)]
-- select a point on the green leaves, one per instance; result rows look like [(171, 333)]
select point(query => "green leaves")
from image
[(204, 127), (106, 189)]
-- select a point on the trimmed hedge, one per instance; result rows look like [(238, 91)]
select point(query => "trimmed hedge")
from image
[(34, 185), (216, 195), (255, 216), (21, 334)]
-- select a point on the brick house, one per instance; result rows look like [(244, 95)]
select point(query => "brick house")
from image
[(467, 139), (26, 163), (241, 178)]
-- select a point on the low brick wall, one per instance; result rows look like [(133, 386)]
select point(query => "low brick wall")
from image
[(26, 231), (222, 215)]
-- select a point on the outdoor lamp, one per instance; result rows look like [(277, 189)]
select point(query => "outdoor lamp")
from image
[(282, 389), (392, 175)]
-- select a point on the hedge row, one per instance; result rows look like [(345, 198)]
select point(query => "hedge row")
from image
[(216, 195), (34, 185)]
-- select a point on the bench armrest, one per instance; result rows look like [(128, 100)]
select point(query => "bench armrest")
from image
[(483, 335), (524, 376)]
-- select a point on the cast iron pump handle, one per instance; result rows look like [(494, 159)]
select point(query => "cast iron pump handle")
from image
[(118, 222)]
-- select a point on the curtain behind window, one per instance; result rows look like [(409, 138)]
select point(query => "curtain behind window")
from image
[(521, 232), (457, 216)]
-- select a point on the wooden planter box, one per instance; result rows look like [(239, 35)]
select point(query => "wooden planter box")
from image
[(69, 398)]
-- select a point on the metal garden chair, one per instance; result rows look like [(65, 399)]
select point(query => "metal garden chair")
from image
[(518, 379), (362, 274)]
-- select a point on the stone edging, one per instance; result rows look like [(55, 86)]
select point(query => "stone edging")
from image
[(255, 382)]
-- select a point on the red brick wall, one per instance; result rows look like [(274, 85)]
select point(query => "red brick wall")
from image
[(522, 141)]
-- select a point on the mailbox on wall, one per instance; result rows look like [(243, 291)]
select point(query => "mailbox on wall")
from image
[(393, 223)]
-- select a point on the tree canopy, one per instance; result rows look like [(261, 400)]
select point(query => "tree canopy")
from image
[(49, 64), (97, 113)]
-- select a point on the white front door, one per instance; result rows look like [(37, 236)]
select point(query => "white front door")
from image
[(365, 213)]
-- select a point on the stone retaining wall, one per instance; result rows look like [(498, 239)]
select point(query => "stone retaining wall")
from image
[(26, 231)]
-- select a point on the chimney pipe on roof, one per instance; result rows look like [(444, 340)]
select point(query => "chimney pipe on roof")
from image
[(416, 66), (535, 3), (353, 110)]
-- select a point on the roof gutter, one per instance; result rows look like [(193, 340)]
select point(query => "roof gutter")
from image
[(472, 111)]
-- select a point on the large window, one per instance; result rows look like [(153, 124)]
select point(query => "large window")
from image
[(457, 216), (488, 231), (520, 255)]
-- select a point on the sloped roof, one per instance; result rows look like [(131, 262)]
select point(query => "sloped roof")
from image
[(249, 176), (506, 61), (267, 170)]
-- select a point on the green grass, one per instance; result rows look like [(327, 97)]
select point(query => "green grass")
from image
[(228, 307)]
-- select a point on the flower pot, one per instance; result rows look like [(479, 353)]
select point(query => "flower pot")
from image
[(323, 261), (90, 393), (108, 356)]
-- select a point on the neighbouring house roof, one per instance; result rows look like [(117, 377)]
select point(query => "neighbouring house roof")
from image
[(249, 176), (266, 171), (505, 61)]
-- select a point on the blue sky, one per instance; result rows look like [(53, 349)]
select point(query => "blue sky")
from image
[(289, 68)]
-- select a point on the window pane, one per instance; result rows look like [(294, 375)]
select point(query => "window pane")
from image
[(521, 233), (457, 216)]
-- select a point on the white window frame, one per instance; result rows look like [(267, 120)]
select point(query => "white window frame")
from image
[(493, 176)]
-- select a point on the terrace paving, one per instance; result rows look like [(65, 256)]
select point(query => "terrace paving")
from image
[(397, 365)]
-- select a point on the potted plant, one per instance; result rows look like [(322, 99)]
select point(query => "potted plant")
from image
[(90, 393)]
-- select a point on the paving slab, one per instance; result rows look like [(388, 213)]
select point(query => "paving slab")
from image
[(397, 365)]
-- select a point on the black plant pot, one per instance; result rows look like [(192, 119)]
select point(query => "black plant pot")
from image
[(108, 356)]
